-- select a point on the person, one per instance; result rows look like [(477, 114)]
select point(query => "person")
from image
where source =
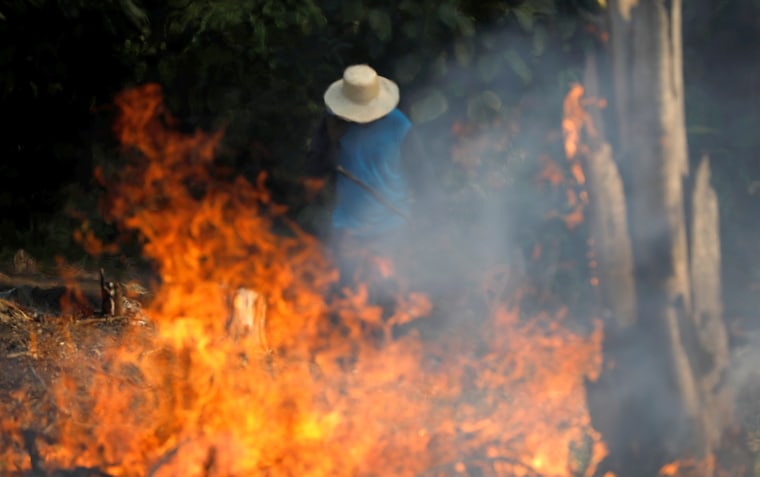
[(370, 149)]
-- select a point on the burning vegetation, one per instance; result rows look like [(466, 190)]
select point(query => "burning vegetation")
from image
[(316, 384)]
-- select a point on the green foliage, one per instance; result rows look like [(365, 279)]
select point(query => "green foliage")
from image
[(59, 62), (258, 68), (429, 107)]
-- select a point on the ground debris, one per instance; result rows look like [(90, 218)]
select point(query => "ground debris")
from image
[(15, 326), (11, 312)]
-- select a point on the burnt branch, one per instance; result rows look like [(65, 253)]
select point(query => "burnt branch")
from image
[(111, 297)]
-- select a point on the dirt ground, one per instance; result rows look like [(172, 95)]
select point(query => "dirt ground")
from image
[(45, 321)]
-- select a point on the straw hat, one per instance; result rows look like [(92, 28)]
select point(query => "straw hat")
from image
[(362, 95)]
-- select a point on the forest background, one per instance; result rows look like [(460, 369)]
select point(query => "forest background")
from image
[(258, 69)]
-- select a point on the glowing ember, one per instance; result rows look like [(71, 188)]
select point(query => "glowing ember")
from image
[(332, 394)]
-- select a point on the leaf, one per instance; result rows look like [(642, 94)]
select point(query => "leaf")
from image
[(353, 11), (463, 52), (439, 66), (543, 7), (429, 107), (488, 40), (136, 15), (466, 26), (491, 100), (411, 29), (483, 106), (166, 70), (524, 18), (259, 36), (448, 15), (54, 88), (380, 22), (518, 65), (527, 12), (411, 7), (407, 68), (566, 27), (540, 37), (489, 66)]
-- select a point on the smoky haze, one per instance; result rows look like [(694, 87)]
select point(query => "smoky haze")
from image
[(722, 111), (479, 210), (479, 205)]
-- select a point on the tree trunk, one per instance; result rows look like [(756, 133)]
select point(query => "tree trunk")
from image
[(609, 398), (708, 304), (608, 216), (659, 361)]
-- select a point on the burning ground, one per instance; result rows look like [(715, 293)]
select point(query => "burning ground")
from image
[(482, 373), (330, 388)]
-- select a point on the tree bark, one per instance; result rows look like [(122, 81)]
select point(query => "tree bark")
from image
[(608, 214), (708, 303), (659, 361)]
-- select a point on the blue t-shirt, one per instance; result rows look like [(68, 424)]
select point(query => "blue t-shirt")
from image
[(372, 153)]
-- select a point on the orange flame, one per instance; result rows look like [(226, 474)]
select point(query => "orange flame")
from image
[(335, 394), (577, 120), (688, 467)]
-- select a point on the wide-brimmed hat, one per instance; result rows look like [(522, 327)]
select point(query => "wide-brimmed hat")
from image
[(362, 95)]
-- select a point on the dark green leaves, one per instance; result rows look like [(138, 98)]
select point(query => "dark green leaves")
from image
[(429, 107), (518, 65), (489, 66), (484, 106), (380, 22)]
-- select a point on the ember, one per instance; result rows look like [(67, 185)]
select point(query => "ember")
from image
[(323, 396)]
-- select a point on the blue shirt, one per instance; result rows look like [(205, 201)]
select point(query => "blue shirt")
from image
[(372, 153)]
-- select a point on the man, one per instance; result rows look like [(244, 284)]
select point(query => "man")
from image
[(369, 145)]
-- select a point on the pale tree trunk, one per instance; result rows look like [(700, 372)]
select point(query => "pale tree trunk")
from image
[(611, 396), (666, 364), (655, 145), (707, 307), (608, 214)]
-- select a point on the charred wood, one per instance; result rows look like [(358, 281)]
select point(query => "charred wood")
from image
[(249, 311), (110, 296)]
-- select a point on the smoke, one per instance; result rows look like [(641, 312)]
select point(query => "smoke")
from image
[(487, 232), (743, 379), (476, 205), (484, 214)]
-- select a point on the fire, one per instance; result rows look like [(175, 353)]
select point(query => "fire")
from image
[(683, 468), (327, 391), (576, 121)]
